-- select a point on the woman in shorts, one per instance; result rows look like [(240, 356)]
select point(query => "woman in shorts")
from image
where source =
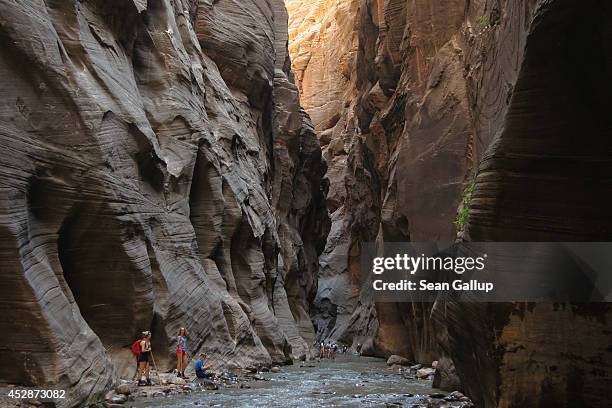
[(143, 359), (181, 352)]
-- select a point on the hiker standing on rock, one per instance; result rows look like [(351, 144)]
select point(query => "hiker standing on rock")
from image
[(181, 352), (143, 359), (136, 351)]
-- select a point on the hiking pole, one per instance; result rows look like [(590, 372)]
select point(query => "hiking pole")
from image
[(188, 359), (156, 370), (137, 370)]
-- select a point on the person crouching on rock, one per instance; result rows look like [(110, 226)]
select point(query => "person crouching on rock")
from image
[(143, 359), (181, 352), (200, 368)]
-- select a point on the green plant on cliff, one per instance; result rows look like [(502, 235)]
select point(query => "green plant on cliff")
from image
[(464, 213), (482, 22)]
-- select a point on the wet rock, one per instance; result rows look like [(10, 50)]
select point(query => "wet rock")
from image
[(456, 396), (437, 396), (113, 398), (275, 369), (425, 373), (416, 367), (227, 377), (123, 389), (398, 360), (208, 385), (446, 377)]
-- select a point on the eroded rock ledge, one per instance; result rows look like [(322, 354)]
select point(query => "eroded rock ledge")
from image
[(157, 172)]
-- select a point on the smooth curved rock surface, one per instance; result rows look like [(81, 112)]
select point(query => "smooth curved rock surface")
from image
[(152, 177), (511, 95)]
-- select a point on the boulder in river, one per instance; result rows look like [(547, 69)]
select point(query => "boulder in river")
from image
[(209, 385), (118, 399), (398, 360), (123, 389), (425, 373), (456, 396)]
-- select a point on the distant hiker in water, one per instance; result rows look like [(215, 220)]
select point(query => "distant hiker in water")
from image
[(181, 352), (200, 368), (143, 359)]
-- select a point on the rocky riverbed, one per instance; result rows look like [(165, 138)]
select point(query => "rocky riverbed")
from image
[(346, 381)]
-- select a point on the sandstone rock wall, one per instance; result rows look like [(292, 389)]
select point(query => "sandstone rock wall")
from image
[(394, 123), (543, 175), (157, 172), (510, 95)]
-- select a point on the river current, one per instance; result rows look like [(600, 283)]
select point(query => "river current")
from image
[(348, 381)]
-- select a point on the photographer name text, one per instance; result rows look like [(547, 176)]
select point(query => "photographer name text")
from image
[(411, 265)]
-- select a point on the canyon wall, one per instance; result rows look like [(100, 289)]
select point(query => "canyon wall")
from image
[(505, 98), (157, 172)]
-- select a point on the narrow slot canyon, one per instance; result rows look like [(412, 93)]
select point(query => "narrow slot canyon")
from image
[(228, 167)]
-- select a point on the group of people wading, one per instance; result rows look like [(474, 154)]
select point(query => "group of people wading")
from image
[(144, 358), (329, 350)]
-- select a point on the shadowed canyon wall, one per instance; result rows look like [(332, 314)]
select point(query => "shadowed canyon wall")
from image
[(157, 172), (416, 101)]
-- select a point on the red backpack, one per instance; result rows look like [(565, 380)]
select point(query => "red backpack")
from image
[(136, 347)]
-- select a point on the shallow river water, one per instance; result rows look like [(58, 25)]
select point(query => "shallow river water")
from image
[(349, 381)]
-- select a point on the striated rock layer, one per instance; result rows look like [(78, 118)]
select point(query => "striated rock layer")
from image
[(438, 95), (157, 172)]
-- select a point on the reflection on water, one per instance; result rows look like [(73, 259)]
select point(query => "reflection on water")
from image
[(346, 382)]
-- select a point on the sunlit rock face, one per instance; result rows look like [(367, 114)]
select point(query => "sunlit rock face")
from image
[(363, 71), (157, 172), (323, 43), (437, 95)]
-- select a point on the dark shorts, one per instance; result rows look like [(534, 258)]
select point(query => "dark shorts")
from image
[(203, 374), (143, 357)]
